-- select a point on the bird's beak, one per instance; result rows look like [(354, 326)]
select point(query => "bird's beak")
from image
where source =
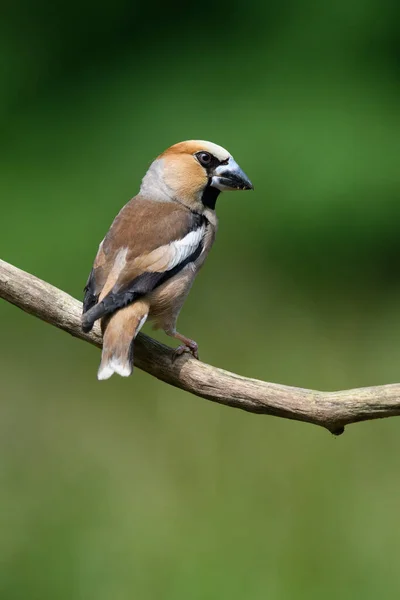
[(230, 177)]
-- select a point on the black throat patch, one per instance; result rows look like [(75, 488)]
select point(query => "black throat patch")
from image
[(210, 195)]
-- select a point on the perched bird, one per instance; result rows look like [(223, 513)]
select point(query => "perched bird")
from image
[(147, 262)]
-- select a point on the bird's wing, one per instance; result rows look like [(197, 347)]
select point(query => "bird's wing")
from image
[(147, 243)]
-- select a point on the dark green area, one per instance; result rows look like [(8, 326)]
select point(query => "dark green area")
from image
[(131, 489)]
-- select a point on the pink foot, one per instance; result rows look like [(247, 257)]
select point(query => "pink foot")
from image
[(191, 347)]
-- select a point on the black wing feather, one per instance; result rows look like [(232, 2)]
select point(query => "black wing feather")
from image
[(90, 298), (141, 285)]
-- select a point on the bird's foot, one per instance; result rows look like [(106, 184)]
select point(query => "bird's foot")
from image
[(188, 346)]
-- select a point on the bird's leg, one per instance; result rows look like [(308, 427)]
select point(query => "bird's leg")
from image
[(188, 345)]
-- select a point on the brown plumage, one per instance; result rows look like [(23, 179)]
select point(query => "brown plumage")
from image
[(148, 260)]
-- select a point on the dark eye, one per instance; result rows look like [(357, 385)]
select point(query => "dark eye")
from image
[(204, 158)]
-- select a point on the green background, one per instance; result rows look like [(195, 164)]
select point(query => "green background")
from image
[(132, 489)]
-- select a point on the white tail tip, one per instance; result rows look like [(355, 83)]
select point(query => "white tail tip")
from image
[(113, 366)]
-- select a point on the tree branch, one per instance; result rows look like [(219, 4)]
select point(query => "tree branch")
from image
[(332, 410)]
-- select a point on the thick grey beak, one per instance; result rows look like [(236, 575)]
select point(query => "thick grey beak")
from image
[(230, 177)]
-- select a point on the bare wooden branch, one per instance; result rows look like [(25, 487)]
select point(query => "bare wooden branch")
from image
[(332, 410)]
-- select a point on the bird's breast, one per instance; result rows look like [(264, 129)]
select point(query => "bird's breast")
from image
[(167, 300)]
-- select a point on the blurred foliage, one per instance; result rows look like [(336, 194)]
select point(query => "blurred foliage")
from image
[(131, 489)]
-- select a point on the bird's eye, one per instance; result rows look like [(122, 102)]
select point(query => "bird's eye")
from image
[(204, 158)]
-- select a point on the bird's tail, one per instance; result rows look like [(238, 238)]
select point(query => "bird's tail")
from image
[(119, 332)]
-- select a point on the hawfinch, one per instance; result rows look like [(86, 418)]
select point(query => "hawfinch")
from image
[(147, 262)]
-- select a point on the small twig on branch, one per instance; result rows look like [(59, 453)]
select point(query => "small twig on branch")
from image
[(332, 410)]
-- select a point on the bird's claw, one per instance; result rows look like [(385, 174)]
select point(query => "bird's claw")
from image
[(191, 347)]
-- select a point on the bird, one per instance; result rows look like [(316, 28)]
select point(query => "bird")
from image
[(147, 262)]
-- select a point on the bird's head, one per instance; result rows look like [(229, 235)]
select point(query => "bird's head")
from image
[(194, 173)]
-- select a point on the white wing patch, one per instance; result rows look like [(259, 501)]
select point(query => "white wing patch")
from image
[(164, 258), (119, 263), (182, 249)]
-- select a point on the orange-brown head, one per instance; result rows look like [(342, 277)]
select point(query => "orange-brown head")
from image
[(193, 173)]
